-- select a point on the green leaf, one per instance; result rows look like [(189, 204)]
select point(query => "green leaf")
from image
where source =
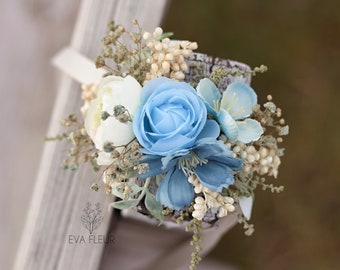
[(153, 206), (125, 204), (129, 173), (135, 189), (165, 35), (116, 191), (159, 179)]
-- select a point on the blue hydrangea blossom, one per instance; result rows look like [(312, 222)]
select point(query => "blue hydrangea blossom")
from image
[(232, 109)]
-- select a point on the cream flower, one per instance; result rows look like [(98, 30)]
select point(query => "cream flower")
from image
[(112, 91)]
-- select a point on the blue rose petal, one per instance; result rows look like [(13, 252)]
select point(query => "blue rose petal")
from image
[(210, 130), (170, 144), (150, 86)]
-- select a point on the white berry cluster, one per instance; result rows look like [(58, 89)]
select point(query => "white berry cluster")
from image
[(263, 161), (167, 58), (211, 199)]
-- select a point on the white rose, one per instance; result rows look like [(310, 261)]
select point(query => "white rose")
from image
[(112, 91)]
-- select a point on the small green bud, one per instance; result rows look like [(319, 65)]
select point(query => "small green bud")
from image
[(111, 26), (123, 118), (105, 115), (115, 154), (95, 186), (107, 40), (100, 62), (108, 147), (118, 110), (72, 117)]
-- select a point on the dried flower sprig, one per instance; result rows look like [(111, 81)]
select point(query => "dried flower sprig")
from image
[(82, 149), (119, 58), (196, 227), (167, 58), (219, 73), (155, 57)]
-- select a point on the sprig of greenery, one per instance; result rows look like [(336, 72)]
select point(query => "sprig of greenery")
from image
[(249, 228), (220, 73), (138, 195), (195, 226)]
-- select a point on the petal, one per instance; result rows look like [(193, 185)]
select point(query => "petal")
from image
[(170, 160), (249, 130), (235, 164), (104, 159), (210, 130), (154, 165), (162, 84), (215, 175), (106, 80), (138, 129), (228, 125), (126, 93), (130, 96), (116, 132), (93, 118), (150, 86), (208, 147), (169, 145), (162, 195), (239, 100), (208, 91), (98, 139), (246, 205), (175, 191)]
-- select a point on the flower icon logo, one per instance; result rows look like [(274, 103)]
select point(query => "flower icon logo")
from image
[(92, 217)]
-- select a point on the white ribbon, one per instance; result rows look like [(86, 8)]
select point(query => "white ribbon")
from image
[(77, 66), (246, 205)]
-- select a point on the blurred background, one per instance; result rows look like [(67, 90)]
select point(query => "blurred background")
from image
[(31, 31), (300, 43)]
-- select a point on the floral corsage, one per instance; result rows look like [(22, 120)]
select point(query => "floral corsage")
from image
[(177, 136)]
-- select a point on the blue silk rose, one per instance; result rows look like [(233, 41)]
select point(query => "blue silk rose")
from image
[(170, 118)]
